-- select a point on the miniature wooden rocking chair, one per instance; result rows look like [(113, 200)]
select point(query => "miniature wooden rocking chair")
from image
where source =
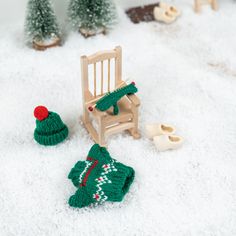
[(198, 3), (107, 123)]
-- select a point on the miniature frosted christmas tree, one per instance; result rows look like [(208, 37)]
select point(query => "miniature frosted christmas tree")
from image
[(92, 16), (41, 27)]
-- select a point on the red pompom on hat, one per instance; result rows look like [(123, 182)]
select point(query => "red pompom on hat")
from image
[(40, 112)]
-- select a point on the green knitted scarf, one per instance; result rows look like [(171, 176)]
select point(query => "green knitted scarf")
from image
[(100, 178), (111, 98)]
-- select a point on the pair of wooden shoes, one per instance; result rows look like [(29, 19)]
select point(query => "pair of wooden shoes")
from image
[(163, 136), (166, 13)]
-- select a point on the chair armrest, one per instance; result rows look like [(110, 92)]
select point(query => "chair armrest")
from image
[(134, 99), (95, 111), (99, 113)]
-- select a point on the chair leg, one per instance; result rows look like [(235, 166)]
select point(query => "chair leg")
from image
[(101, 132), (214, 5), (197, 5), (134, 131), (85, 116), (89, 127)]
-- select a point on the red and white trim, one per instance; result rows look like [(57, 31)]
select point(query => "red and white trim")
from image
[(88, 164), (100, 196)]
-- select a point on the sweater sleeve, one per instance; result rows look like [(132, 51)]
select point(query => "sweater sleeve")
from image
[(81, 198), (75, 172), (99, 153)]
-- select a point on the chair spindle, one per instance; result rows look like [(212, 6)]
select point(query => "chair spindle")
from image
[(109, 74), (94, 79), (101, 77)]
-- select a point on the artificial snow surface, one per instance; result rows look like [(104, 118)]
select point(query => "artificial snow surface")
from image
[(186, 75)]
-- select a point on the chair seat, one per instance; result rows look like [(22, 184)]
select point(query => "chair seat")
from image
[(125, 113)]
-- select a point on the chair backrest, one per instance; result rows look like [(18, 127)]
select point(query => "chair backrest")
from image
[(96, 72)]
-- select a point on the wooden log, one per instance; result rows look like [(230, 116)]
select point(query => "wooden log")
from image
[(142, 13), (41, 46), (90, 33)]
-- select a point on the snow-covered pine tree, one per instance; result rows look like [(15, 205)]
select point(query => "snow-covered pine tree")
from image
[(92, 16), (41, 23)]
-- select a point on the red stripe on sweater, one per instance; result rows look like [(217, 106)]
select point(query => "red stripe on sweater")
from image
[(89, 170)]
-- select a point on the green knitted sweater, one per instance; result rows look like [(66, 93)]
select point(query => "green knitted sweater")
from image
[(100, 178)]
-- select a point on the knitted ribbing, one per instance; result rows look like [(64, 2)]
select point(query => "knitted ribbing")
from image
[(111, 99), (51, 130), (100, 178)]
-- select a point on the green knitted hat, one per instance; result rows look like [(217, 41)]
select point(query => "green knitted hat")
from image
[(50, 130), (100, 178)]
